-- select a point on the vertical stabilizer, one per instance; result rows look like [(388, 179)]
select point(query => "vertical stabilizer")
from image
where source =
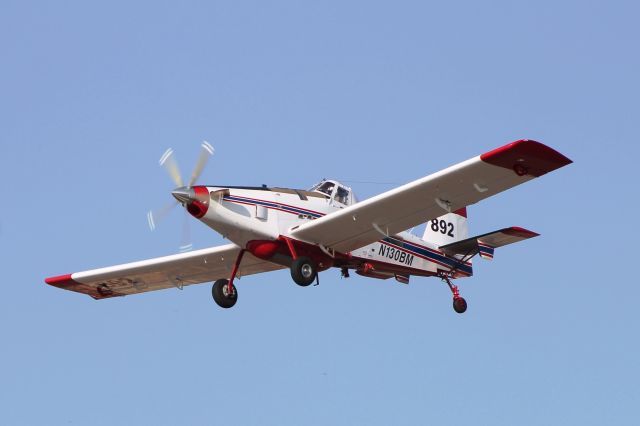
[(447, 229)]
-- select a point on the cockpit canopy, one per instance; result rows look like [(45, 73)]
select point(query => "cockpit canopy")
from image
[(336, 191)]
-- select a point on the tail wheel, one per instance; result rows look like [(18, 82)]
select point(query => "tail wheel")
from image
[(221, 294), (303, 271), (459, 305)]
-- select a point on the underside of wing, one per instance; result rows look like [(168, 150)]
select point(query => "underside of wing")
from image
[(427, 198), (177, 270)]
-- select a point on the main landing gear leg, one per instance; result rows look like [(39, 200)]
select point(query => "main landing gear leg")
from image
[(303, 269), (223, 291), (459, 304)]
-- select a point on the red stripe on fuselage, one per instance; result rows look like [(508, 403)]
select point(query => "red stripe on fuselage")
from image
[(380, 241), (440, 253), (276, 202), (268, 207), (437, 262)]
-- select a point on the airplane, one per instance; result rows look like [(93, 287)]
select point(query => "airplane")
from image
[(324, 227)]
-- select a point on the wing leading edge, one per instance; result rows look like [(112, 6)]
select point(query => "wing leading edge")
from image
[(427, 198), (162, 272)]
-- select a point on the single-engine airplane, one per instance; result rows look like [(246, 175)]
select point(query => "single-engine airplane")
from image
[(310, 231)]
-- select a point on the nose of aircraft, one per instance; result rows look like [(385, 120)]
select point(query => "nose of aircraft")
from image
[(184, 195), (195, 199)]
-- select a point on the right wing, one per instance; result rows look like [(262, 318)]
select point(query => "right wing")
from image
[(431, 196), (177, 270)]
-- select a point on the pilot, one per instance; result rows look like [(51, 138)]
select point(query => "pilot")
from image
[(328, 188), (342, 195)]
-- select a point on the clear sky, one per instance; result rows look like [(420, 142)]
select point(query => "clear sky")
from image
[(288, 93)]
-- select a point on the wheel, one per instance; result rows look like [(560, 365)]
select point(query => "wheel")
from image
[(303, 271), (459, 305), (221, 295)]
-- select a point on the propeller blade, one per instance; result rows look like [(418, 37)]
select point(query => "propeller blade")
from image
[(168, 161), (186, 244), (207, 151), (155, 217)]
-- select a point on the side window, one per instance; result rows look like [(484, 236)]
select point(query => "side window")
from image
[(342, 195)]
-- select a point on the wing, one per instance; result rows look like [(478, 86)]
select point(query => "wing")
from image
[(429, 197), (177, 270)]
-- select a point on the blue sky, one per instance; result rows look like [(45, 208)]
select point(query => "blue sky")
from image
[(289, 93)]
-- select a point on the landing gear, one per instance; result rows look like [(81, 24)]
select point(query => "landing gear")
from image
[(303, 271), (344, 272), (459, 304), (224, 293)]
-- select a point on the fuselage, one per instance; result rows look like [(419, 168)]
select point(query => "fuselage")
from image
[(246, 215)]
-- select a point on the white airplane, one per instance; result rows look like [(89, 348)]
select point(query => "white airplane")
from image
[(310, 231)]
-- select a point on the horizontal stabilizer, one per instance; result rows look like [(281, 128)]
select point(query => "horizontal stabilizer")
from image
[(486, 243)]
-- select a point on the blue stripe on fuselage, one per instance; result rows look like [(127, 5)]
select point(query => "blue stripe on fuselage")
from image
[(273, 205), (411, 248), (430, 255)]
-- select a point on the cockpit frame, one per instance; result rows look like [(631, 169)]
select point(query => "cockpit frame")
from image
[(338, 193)]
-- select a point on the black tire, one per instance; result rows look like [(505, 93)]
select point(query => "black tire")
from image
[(459, 305), (221, 295), (303, 271)]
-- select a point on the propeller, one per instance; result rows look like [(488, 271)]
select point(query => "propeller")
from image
[(160, 214), (169, 163), (206, 152)]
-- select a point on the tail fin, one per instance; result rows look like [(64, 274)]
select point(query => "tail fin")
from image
[(447, 229)]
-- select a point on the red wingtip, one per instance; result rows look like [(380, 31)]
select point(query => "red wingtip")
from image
[(526, 157), (521, 232), (60, 280), (67, 283)]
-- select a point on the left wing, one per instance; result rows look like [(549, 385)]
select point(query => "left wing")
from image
[(429, 197), (177, 270)]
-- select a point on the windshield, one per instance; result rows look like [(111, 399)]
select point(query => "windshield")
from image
[(326, 187)]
